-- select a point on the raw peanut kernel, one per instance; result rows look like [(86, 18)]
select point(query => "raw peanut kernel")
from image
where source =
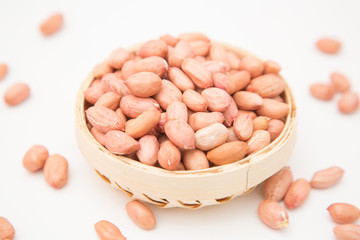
[(322, 91), (327, 177), (98, 135), (149, 148), (258, 140), (118, 57), (275, 128), (94, 92), (261, 123), (217, 99), (230, 113), (3, 70), (340, 81), (34, 159), (215, 67), (52, 24), (56, 171), (273, 214), (120, 143), (200, 48), (219, 53), (177, 110), (170, 40), (180, 133), (142, 124), (233, 60), (276, 186), (7, 231), (297, 193), (197, 73), (227, 153), (102, 69), (169, 155), (343, 213), (248, 100), (140, 214), (271, 67), (193, 36), (348, 103), (267, 85), (144, 84), (195, 159), (211, 136), (253, 65), (328, 45), (243, 126), (194, 100), (111, 83), (108, 231), (200, 120), (181, 51), (180, 79), (347, 232), (104, 119), (153, 48), (133, 106), (273, 109), (168, 94), (153, 64), (110, 100), (16, 94)]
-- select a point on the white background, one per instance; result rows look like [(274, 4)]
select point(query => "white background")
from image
[(54, 67)]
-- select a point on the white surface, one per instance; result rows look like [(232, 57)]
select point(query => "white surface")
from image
[(54, 67)]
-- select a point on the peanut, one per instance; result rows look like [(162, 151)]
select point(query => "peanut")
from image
[(120, 143), (267, 85), (170, 40), (180, 79), (108, 231), (144, 84), (148, 151), (344, 213), (56, 171), (168, 94), (98, 135), (273, 214), (297, 193), (193, 36), (143, 123), (140, 215), (118, 57), (215, 67), (327, 177), (34, 159), (133, 106), (276, 186), (195, 160), (180, 133), (104, 119), (182, 51), (3, 70), (273, 109), (253, 65), (322, 91), (275, 128), (248, 100), (153, 48), (271, 66), (200, 76), (52, 24), (227, 153), (328, 45), (177, 110), (211, 136), (200, 47), (243, 126), (347, 232), (258, 140), (348, 103), (110, 82), (109, 100), (219, 53), (340, 82), (194, 100), (169, 155), (101, 70), (230, 113), (200, 120), (16, 94), (7, 231), (152, 64), (217, 99), (261, 123)]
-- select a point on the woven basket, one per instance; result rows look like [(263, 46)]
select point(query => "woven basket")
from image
[(186, 189)]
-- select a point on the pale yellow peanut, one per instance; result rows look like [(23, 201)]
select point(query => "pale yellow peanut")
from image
[(161, 124), (194, 100), (222, 81), (118, 57), (200, 120), (7, 231), (258, 140), (110, 100), (323, 91), (153, 48), (195, 160), (180, 133), (276, 186), (94, 92), (347, 232), (344, 213), (98, 135), (34, 159), (111, 83), (102, 69), (120, 113), (239, 79), (217, 99), (271, 66), (273, 109), (143, 123), (232, 136), (275, 128), (133, 106), (52, 24), (170, 40), (3, 70), (56, 171), (177, 110), (219, 53), (248, 100), (180, 79), (144, 84), (16, 94), (168, 94), (234, 60), (169, 155), (297, 193), (230, 113), (193, 36), (261, 123), (200, 76), (340, 81), (267, 85), (211, 136), (200, 47), (243, 126), (141, 215), (273, 214), (215, 66), (328, 45), (326, 178), (227, 153), (253, 65), (108, 231), (148, 151), (348, 103), (128, 69), (119, 142), (153, 64), (181, 51), (104, 119)]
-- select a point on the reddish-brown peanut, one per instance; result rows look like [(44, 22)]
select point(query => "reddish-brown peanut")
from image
[(108, 231), (140, 214), (34, 159), (56, 171), (16, 94)]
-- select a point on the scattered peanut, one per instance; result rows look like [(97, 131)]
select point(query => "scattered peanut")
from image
[(56, 171), (140, 214), (273, 214), (328, 45), (52, 24), (108, 231), (34, 159), (344, 213), (297, 193), (17, 94), (278, 184), (327, 177), (7, 231), (347, 232)]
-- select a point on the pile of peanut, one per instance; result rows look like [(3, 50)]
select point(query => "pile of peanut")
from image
[(185, 103)]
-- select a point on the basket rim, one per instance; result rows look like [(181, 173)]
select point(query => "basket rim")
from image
[(272, 148)]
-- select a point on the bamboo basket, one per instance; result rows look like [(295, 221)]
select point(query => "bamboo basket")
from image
[(187, 189)]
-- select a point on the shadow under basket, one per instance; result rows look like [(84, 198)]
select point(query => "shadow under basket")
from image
[(187, 189)]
